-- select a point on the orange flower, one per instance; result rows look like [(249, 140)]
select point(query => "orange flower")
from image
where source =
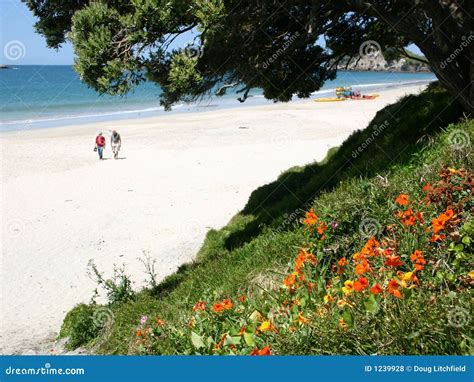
[(218, 307), (200, 305), (426, 187), (393, 261), (393, 288), (301, 319), (302, 258), (438, 223), (289, 281), (437, 237), (342, 262), (322, 228), (402, 200), (227, 304), (418, 260), (160, 322), (342, 323), (376, 289), (264, 351), (311, 218), (242, 298), (242, 330), (139, 332), (362, 267), (360, 284)]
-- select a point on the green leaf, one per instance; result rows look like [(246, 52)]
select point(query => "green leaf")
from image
[(248, 337), (347, 316), (371, 304), (197, 341), (466, 240)]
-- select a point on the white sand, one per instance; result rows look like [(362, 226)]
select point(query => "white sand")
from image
[(181, 175)]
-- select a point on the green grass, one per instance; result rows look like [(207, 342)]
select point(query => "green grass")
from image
[(250, 254)]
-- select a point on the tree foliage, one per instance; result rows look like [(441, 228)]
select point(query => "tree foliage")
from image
[(265, 44)]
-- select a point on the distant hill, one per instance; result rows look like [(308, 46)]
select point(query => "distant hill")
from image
[(378, 63)]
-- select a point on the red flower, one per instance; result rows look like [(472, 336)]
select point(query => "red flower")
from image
[(376, 289), (264, 351), (393, 288), (360, 284), (393, 261), (418, 260)]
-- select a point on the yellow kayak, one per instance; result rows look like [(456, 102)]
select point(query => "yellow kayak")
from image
[(329, 99)]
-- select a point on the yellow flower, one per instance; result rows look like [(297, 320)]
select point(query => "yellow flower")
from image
[(408, 276), (266, 326), (301, 319), (328, 299), (341, 303), (471, 275), (347, 288), (342, 324)]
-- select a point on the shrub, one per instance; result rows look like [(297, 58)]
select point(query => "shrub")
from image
[(79, 326)]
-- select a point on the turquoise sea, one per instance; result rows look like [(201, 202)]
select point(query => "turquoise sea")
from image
[(46, 96)]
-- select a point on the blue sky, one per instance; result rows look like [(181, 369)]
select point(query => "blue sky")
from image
[(20, 45)]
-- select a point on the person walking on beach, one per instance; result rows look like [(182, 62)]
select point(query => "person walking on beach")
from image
[(100, 145), (115, 143)]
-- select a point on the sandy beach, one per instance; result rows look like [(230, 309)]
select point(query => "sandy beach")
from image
[(177, 176)]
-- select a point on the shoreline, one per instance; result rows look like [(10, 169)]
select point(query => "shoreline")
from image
[(196, 107), (179, 175)]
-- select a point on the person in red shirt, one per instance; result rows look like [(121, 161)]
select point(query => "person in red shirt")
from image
[(100, 145)]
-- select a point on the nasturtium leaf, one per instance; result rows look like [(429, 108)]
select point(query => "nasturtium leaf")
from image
[(197, 341), (347, 316), (248, 337), (371, 304)]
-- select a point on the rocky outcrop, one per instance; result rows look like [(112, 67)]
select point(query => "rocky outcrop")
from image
[(379, 64)]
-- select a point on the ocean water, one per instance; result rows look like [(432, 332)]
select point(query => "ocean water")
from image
[(46, 96)]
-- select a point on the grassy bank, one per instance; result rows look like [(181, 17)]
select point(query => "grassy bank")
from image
[(282, 278)]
